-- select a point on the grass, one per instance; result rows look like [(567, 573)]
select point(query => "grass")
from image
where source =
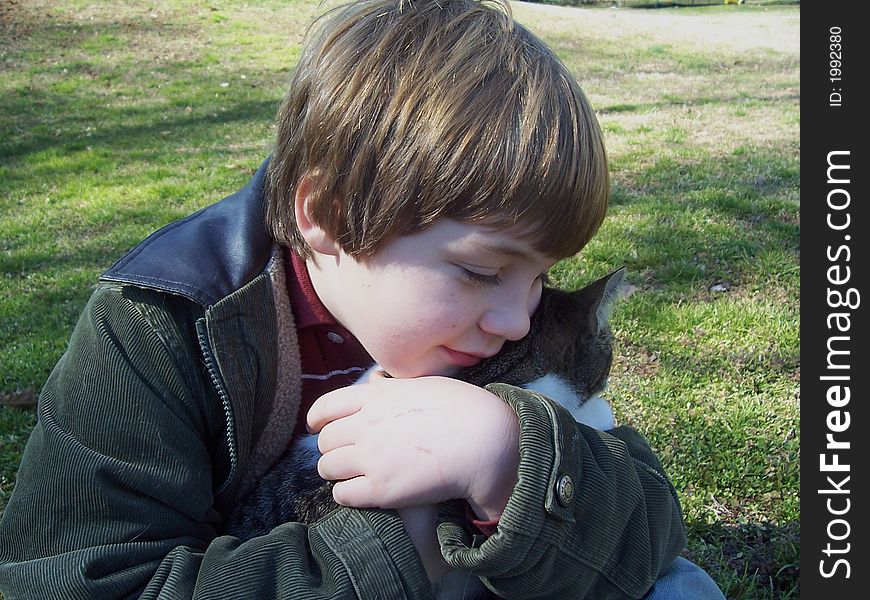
[(116, 118)]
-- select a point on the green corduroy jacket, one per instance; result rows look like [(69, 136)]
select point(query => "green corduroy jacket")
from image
[(181, 386)]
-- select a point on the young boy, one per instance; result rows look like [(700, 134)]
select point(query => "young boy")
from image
[(433, 160)]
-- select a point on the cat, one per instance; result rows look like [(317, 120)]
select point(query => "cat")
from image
[(566, 356)]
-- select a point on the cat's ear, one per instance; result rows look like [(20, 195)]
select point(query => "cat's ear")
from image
[(608, 292)]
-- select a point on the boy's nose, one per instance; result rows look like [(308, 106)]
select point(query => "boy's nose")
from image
[(509, 321)]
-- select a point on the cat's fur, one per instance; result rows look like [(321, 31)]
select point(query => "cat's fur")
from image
[(566, 356)]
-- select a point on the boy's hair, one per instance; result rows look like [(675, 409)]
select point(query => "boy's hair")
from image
[(403, 112)]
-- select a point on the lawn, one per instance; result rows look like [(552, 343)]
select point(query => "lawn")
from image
[(119, 117)]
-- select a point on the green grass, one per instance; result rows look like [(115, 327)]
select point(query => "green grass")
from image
[(116, 118)]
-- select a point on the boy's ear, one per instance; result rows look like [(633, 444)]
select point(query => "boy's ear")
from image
[(314, 235)]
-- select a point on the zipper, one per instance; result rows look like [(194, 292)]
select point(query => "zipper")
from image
[(217, 382)]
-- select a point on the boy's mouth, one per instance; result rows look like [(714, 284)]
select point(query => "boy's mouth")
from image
[(462, 359)]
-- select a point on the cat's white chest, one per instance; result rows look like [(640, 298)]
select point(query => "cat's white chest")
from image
[(595, 412)]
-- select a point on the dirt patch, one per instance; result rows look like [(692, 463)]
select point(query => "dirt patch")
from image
[(758, 549), (16, 22), (19, 399)]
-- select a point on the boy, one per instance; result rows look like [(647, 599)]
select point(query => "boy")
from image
[(433, 159)]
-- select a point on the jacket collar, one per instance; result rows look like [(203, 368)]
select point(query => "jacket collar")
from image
[(207, 255)]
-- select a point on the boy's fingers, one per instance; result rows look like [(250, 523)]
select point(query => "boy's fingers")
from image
[(356, 492), (338, 433), (334, 405), (339, 464)]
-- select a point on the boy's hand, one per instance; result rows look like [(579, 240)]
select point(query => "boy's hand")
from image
[(394, 443)]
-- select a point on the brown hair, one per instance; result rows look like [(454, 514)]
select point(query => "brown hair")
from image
[(407, 112)]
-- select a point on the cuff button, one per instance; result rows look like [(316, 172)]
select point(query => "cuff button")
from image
[(565, 490)]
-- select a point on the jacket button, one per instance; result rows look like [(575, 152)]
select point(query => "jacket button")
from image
[(334, 337), (565, 490)]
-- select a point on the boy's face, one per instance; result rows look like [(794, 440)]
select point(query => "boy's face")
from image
[(434, 302)]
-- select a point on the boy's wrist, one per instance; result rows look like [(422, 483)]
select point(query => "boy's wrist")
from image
[(497, 474), (487, 513)]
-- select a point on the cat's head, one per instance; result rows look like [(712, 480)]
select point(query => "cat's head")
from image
[(569, 337)]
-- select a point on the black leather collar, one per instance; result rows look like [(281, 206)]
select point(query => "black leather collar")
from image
[(207, 255)]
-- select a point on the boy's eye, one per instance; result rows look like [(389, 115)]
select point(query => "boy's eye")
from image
[(483, 280), (479, 279)]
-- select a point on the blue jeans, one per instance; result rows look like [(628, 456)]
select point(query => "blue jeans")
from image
[(685, 581)]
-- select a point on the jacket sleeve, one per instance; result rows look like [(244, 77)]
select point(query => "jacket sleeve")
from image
[(592, 514), (114, 496)]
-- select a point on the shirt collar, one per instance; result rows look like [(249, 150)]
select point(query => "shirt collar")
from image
[(307, 307)]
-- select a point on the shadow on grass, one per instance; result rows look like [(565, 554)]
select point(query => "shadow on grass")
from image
[(729, 101), (134, 133), (120, 83), (709, 220), (745, 558)]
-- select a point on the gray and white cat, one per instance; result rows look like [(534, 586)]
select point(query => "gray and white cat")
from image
[(566, 356)]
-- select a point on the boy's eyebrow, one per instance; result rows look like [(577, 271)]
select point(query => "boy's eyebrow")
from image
[(508, 249)]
